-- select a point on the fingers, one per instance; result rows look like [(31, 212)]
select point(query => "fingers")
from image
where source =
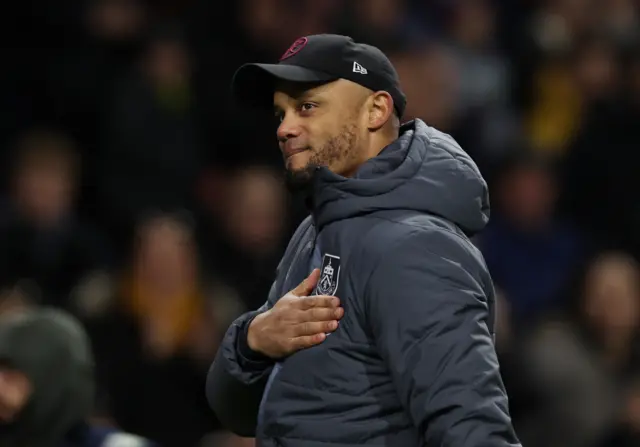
[(324, 314), (315, 327), (309, 302), (311, 333), (307, 341), (306, 287)]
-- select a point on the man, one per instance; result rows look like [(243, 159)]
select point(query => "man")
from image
[(378, 329), (47, 383)]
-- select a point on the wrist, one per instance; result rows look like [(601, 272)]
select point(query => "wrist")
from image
[(252, 342), (250, 353)]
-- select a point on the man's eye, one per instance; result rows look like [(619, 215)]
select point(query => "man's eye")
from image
[(305, 107)]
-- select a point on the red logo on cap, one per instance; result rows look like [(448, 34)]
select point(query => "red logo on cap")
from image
[(293, 49)]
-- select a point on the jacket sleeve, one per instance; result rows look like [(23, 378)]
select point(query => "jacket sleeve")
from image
[(237, 378), (431, 320)]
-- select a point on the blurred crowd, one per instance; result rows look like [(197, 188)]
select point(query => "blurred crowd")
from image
[(138, 197)]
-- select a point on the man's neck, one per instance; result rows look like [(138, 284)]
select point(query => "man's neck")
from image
[(375, 148), (383, 143)]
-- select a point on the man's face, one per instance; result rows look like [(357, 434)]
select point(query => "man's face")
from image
[(44, 193), (321, 126)]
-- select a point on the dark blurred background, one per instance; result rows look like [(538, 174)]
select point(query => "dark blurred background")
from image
[(137, 196)]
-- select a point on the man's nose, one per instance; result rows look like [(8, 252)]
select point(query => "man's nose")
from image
[(288, 128)]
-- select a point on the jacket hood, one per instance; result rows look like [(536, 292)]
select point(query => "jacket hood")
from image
[(424, 170), (51, 348)]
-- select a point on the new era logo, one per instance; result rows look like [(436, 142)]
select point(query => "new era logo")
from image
[(357, 68)]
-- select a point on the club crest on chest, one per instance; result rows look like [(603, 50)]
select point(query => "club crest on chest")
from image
[(329, 275)]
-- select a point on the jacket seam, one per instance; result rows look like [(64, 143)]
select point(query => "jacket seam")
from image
[(422, 229), (441, 143)]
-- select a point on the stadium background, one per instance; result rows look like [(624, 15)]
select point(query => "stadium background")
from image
[(137, 196)]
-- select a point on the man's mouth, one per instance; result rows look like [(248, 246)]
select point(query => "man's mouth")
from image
[(291, 151)]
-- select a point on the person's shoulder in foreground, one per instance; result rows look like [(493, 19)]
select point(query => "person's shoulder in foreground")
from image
[(411, 360)]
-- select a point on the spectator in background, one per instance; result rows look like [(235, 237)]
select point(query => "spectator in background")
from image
[(42, 241), (154, 339), (152, 148), (251, 231), (485, 121), (430, 77), (621, 20), (584, 366), (530, 252), (554, 105), (47, 383), (107, 39), (600, 172), (386, 24)]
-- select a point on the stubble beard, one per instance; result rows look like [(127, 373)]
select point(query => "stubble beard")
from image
[(338, 149)]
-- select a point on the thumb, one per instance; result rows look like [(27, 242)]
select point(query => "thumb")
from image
[(307, 286)]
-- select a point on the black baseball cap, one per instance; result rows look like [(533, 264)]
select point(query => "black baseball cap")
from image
[(320, 58)]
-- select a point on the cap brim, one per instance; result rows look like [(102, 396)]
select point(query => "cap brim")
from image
[(254, 84)]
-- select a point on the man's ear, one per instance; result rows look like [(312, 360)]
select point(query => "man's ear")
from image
[(381, 110)]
